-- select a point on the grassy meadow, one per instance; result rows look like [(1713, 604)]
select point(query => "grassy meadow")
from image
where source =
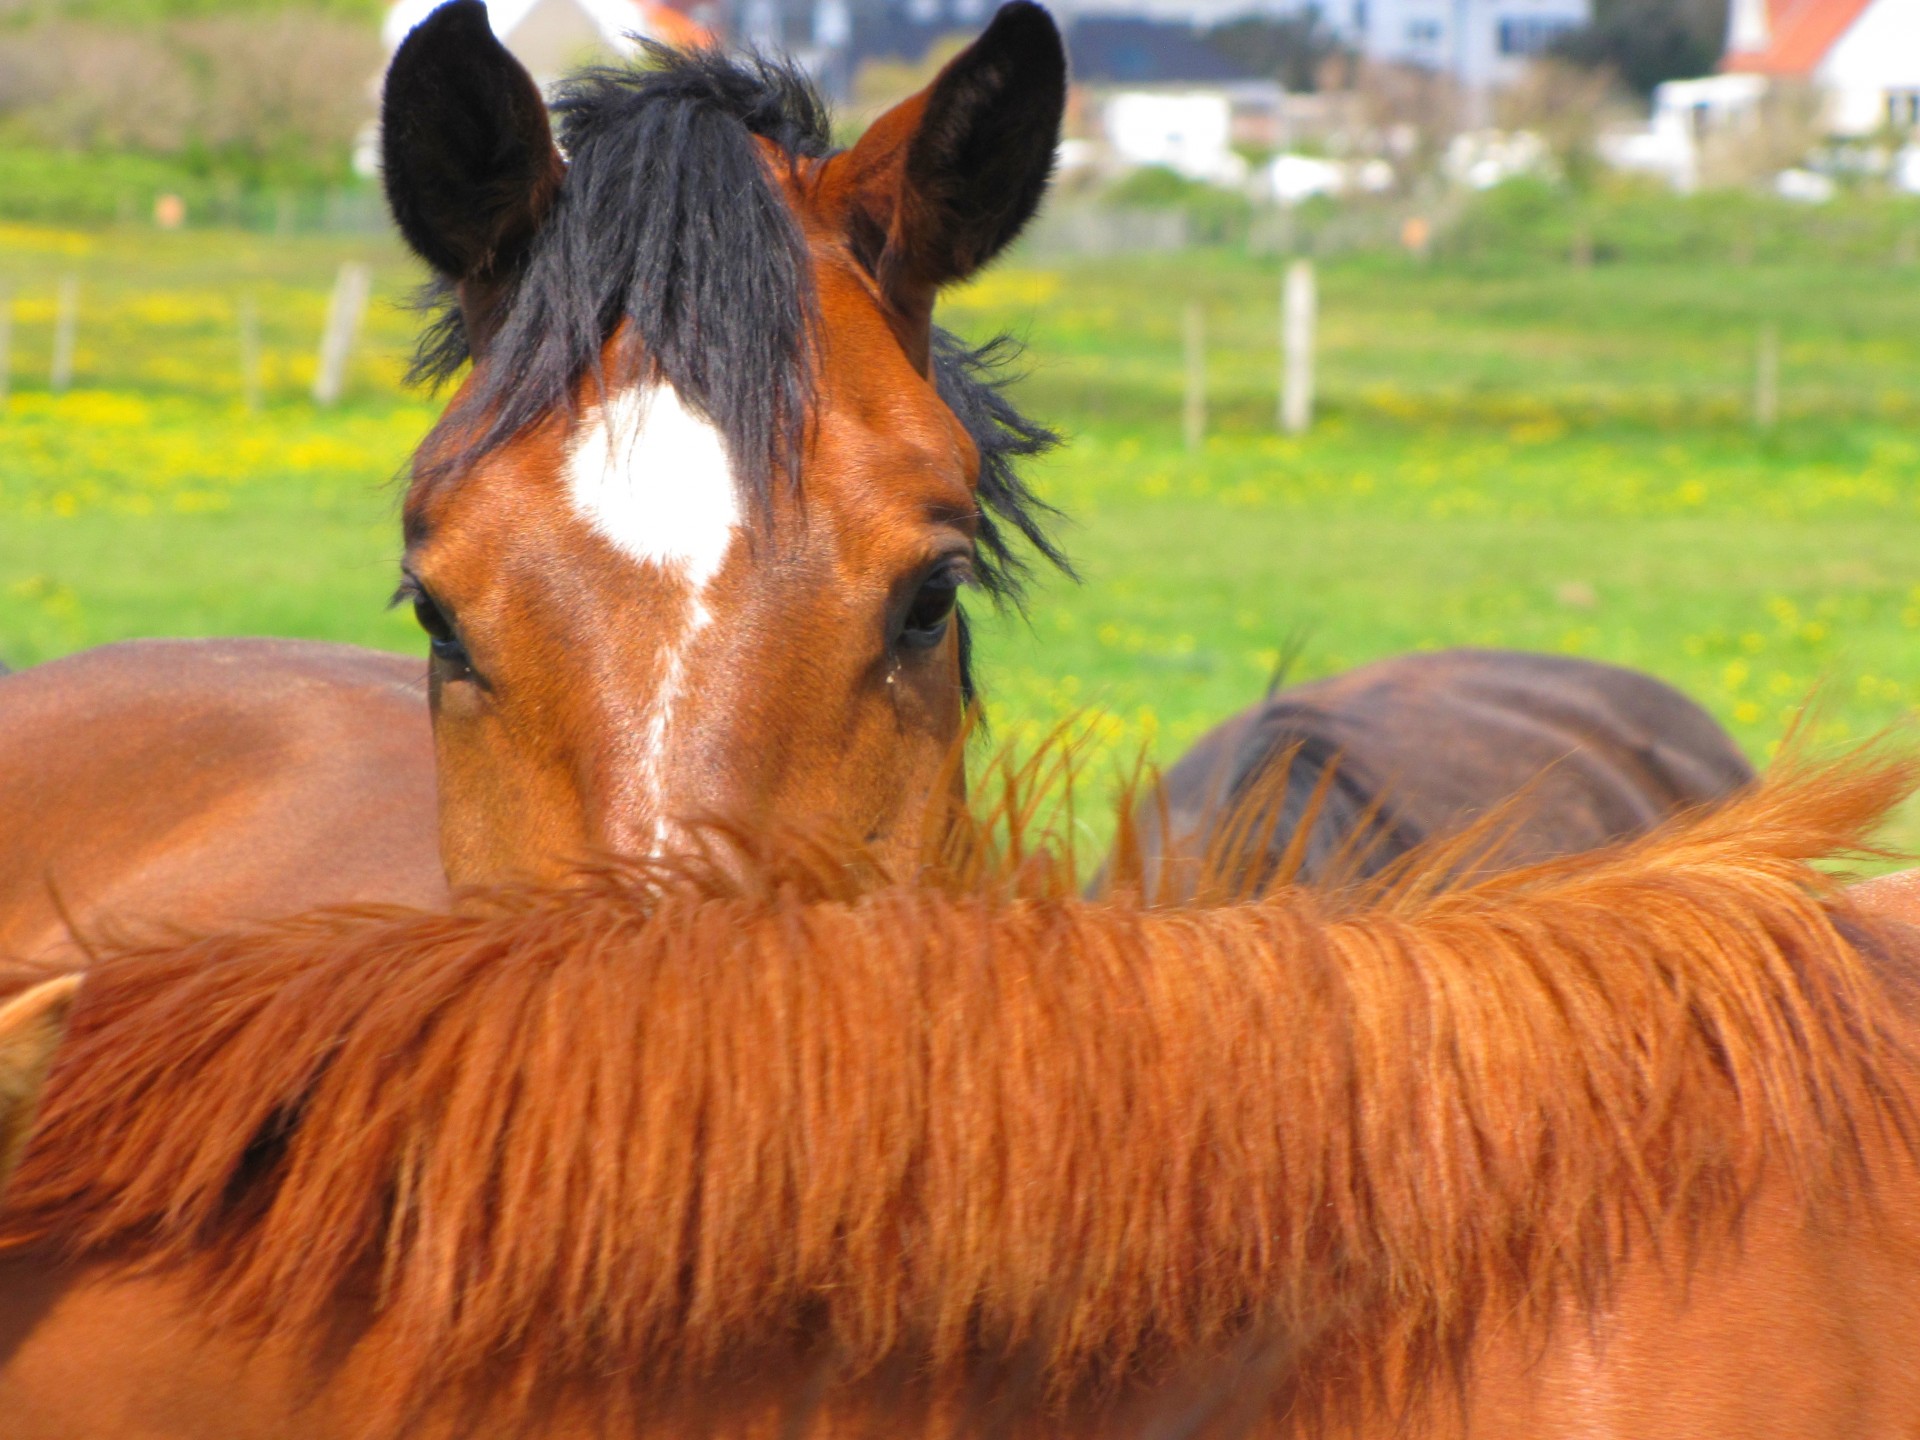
[(1521, 454)]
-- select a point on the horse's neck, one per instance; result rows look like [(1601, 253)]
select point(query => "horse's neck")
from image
[(1829, 1311)]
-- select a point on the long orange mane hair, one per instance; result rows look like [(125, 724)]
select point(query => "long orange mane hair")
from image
[(630, 1135)]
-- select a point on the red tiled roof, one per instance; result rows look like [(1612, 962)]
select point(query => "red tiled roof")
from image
[(674, 27), (656, 19), (1802, 31)]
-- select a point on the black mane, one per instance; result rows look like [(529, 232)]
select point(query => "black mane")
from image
[(668, 219)]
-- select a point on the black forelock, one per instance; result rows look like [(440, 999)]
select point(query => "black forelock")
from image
[(667, 219)]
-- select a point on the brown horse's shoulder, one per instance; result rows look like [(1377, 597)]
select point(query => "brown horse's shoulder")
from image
[(162, 666), (200, 781), (212, 716)]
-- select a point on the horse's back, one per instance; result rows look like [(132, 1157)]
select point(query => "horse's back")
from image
[(198, 782), (1605, 751), (1575, 754)]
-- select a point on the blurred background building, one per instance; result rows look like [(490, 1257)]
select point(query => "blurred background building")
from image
[(1221, 109)]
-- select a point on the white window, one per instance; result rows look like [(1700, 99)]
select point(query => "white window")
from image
[(1423, 32), (1903, 109)]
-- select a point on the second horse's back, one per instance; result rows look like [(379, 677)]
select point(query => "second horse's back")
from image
[(1572, 754)]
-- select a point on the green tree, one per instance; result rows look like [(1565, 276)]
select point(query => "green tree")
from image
[(1647, 41), (1290, 48)]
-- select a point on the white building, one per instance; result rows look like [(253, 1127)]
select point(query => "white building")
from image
[(1863, 55), (1483, 44), (1687, 114), (1201, 14), (1187, 131)]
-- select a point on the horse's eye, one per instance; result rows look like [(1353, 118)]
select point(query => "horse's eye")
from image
[(441, 637), (930, 613)]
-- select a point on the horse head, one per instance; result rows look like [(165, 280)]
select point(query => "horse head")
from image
[(689, 539)]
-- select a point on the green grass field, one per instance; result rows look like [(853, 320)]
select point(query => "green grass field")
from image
[(1526, 455)]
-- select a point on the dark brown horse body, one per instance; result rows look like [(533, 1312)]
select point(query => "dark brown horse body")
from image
[(204, 782), (1566, 754)]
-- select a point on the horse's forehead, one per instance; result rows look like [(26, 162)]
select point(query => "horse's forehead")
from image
[(650, 475), (642, 466), (869, 384)]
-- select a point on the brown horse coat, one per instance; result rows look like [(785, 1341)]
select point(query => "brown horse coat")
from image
[(1572, 754), (1616, 1146), (201, 782)]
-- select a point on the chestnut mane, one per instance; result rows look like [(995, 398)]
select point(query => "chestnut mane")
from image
[(630, 1134)]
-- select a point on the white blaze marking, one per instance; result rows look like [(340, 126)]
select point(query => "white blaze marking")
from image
[(653, 478)]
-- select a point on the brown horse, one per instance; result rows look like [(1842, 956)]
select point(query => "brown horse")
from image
[(689, 538), (1620, 1145), (1340, 778)]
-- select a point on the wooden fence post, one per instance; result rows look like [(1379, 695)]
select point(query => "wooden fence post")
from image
[(250, 353), (1298, 314), (66, 325), (1195, 416), (349, 303), (1766, 378)]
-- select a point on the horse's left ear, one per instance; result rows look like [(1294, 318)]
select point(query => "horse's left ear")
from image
[(467, 152), (944, 181), (32, 1026)]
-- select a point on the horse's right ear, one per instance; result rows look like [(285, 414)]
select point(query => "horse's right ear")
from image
[(32, 1026), (470, 166)]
